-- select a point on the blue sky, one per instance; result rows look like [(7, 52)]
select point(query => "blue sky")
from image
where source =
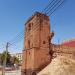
[(14, 13)]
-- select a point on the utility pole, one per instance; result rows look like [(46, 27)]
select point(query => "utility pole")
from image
[(5, 60)]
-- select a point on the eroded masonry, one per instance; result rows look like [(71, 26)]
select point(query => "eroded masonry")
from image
[(38, 49)]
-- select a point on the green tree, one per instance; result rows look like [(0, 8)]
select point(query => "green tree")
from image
[(15, 60), (0, 59), (6, 56), (10, 61)]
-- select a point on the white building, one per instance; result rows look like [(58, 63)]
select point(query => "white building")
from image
[(18, 55)]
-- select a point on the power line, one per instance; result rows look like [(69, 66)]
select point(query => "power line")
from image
[(18, 35), (34, 29), (49, 5), (17, 39), (53, 6), (49, 12), (5, 60), (2, 47), (56, 8)]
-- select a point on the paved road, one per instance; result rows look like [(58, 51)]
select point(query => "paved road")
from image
[(16, 72)]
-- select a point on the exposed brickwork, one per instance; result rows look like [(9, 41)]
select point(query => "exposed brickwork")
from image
[(36, 44), (60, 50), (38, 50)]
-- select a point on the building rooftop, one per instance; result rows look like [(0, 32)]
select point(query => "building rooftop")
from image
[(70, 43)]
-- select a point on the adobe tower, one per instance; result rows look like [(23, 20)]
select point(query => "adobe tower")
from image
[(36, 53)]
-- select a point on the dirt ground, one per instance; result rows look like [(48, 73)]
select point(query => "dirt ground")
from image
[(59, 66)]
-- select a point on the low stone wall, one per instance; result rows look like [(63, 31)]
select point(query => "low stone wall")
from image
[(60, 50)]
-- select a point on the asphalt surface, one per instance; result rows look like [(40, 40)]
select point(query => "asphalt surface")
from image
[(16, 72)]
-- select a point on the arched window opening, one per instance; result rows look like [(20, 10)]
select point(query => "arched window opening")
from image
[(29, 43), (29, 26), (44, 42)]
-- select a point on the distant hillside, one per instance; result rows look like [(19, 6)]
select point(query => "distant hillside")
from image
[(69, 43)]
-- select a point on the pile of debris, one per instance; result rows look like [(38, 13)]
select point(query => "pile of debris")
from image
[(59, 66)]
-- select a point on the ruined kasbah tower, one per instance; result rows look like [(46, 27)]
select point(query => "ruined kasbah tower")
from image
[(37, 51)]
